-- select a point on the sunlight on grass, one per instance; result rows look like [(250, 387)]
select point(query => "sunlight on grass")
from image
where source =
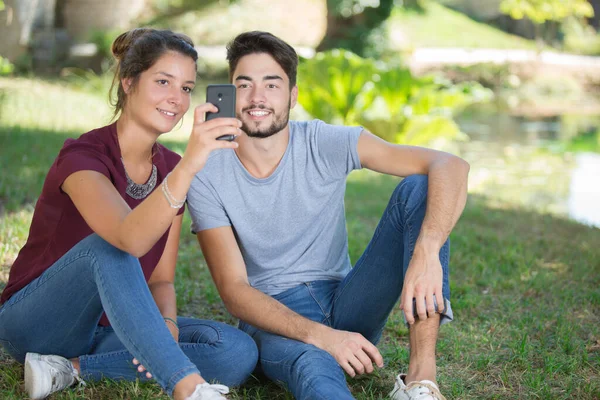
[(440, 26), (524, 284)]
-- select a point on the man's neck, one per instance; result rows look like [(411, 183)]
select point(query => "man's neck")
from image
[(261, 157)]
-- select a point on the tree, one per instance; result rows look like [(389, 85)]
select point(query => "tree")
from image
[(350, 24), (541, 11)]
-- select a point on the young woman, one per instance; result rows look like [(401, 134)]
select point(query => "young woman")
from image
[(93, 286)]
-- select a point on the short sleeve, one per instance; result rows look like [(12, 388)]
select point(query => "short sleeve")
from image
[(76, 156), (206, 210), (335, 148)]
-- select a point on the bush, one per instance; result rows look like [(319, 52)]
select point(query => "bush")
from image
[(343, 88), (6, 67)]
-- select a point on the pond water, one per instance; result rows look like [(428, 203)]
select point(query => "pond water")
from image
[(550, 163)]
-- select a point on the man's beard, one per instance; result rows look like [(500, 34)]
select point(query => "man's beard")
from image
[(280, 121)]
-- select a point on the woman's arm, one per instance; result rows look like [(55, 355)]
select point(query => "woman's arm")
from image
[(162, 280), (136, 231)]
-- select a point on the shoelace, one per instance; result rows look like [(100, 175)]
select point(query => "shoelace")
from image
[(433, 391), (63, 375), (206, 391)]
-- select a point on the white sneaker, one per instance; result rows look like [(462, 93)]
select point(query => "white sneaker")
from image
[(417, 390), (45, 375), (206, 391)]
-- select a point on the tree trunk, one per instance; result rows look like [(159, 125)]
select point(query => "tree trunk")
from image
[(352, 32)]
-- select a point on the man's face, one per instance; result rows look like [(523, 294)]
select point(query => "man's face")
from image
[(263, 96)]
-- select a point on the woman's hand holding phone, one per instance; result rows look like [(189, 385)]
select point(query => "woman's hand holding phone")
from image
[(203, 138)]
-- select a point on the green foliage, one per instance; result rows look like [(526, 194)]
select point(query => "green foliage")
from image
[(6, 67), (540, 11), (2, 6), (343, 88), (355, 25), (334, 83), (103, 39)]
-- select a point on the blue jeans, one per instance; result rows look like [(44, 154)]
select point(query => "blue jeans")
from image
[(361, 302), (58, 313)]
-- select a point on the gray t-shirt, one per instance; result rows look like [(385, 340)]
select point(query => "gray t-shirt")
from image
[(290, 226)]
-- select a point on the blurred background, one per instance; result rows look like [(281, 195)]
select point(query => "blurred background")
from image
[(512, 86)]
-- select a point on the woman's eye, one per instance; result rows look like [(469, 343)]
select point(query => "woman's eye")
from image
[(162, 81)]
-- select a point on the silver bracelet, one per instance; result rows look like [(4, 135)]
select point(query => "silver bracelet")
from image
[(173, 202)]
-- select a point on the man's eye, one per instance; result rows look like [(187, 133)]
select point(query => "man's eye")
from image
[(188, 89), (162, 81)]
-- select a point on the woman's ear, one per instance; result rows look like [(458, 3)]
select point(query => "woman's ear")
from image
[(126, 83)]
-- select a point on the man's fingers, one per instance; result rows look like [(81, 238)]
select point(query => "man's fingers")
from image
[(365, 360), (421, 307), (373, 353), (407, 305), (348, 368), (430, 304), (356, 364), (439, 299)]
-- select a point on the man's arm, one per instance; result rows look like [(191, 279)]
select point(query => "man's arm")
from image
[(446, 199), (352, 351)]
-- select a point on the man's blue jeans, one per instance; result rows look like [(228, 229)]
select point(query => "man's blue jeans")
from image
[(361, 302), (58, 313)]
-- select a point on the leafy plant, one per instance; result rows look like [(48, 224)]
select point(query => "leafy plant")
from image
[(343, 88), (542, 11), (334, 82), (6, 67)]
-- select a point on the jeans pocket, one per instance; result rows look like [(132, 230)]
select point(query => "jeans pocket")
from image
[(10, 349)]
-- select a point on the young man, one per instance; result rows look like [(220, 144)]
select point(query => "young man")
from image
[(269, 217)]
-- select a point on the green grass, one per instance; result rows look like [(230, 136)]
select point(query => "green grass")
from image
[(524, 285), (440, 26)]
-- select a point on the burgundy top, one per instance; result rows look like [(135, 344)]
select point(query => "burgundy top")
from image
[(57, 226)]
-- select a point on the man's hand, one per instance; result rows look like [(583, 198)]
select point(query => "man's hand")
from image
[(351, 350), (423, 280)]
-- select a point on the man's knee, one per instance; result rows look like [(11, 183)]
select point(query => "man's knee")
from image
[(411, 193), (414, 185), (315, 363)]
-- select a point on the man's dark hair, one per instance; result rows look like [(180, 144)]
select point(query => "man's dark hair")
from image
[(263, 42)]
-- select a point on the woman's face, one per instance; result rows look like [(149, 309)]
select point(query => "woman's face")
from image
[(162, 93)]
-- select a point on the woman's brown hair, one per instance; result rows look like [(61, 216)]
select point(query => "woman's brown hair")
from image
[(137, 50)]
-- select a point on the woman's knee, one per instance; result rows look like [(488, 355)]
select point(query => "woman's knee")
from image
[(243, 352), (235, 351)]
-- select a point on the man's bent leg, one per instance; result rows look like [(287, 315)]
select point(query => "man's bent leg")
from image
[(305, 370), (370, 291)]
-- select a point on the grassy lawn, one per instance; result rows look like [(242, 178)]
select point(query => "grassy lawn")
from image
[(524, 285), (440, 26)]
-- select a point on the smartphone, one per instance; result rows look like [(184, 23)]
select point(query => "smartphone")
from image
[(223, 97)]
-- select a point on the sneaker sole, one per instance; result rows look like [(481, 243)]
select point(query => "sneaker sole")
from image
[(35, 379)]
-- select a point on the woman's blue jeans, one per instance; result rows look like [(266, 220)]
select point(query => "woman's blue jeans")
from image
[(58, 313), (361, 302)]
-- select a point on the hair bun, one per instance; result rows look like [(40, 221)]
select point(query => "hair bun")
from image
[(125, 40)]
